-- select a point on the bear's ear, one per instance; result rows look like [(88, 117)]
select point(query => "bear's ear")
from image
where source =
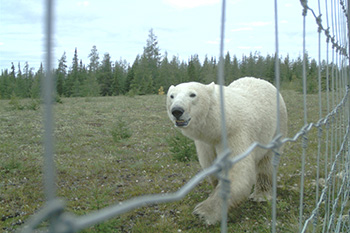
[(171, 87), (211, 86)]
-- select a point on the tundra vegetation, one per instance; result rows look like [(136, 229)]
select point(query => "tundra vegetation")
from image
[(110, 149)]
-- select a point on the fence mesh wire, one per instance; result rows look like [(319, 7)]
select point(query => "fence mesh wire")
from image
[(331, 210)]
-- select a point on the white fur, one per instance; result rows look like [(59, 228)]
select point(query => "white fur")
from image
[(250, 106)]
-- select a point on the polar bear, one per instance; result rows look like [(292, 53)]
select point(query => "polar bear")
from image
[(250, 106)]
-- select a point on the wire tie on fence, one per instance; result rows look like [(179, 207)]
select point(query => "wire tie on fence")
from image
[(315, 219), (327, 123), (332, 41), (52, 208), (319, 23), (305, 7), (222, 160), (320, 130), (343, 8), (277, 143), (226, 187), (337, 47), (225, 165), (328, 36), (276, 158), (329, 181), (333, 117), (305, 140), (66, 223)]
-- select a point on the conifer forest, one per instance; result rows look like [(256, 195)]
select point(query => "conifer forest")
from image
[(152, 73)]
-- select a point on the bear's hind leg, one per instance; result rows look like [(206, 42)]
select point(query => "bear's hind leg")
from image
[(263, 187)]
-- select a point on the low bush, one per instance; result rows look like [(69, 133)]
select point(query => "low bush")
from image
[(182, 148), (121, 131)]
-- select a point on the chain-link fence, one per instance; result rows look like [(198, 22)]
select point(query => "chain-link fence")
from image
[(331, 211)]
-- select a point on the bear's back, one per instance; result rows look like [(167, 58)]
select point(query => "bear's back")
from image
[(252, 85), (259, 99)]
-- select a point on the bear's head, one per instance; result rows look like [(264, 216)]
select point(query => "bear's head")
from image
[(188, 104)]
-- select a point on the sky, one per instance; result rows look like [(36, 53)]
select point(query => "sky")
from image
[(120, 28)]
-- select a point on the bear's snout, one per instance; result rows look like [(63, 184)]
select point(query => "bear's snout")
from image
[(177, 112)]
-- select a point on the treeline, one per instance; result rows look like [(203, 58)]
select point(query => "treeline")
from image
[(150, 73)]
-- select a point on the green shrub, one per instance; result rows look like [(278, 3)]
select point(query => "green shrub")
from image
[(34, 104), (182, 148), (15, 102), (121, 131), (58, 99)]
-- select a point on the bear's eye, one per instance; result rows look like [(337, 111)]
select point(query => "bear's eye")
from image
[(172, 96), (192, 95)]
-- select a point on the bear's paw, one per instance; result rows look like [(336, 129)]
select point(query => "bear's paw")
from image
[(209, 211), (261, 197)]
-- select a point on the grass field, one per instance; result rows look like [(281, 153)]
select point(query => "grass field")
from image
[(110, 149)]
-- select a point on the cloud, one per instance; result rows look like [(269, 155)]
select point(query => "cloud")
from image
[(256, 24), (190, 3), (242, 29), (249, 26), (212, 42), (244, 47), (250, 47), (83, 3), (217, 41), (25, 13)]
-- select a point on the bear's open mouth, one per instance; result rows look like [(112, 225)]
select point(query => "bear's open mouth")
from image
[(182, 123)]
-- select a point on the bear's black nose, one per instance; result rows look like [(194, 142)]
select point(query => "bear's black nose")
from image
[(177, 112)]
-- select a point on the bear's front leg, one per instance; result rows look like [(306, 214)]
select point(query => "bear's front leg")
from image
[(206, 155), (242, 177), (210, 209)]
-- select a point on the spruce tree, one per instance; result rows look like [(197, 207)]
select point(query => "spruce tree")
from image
[(164, 73), (119, 77), (72, 75), (260, 68), (193, 69), (236, 72), (61, 74), (286, 74), (19, 82), (227, 67), (105, 77), (13, 70), (130, 84), (28, 79), (35, 89), (152, 52), (91, 86), (94, 60), (208, 71), (270, 68), (147, 75), (5, 85)]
